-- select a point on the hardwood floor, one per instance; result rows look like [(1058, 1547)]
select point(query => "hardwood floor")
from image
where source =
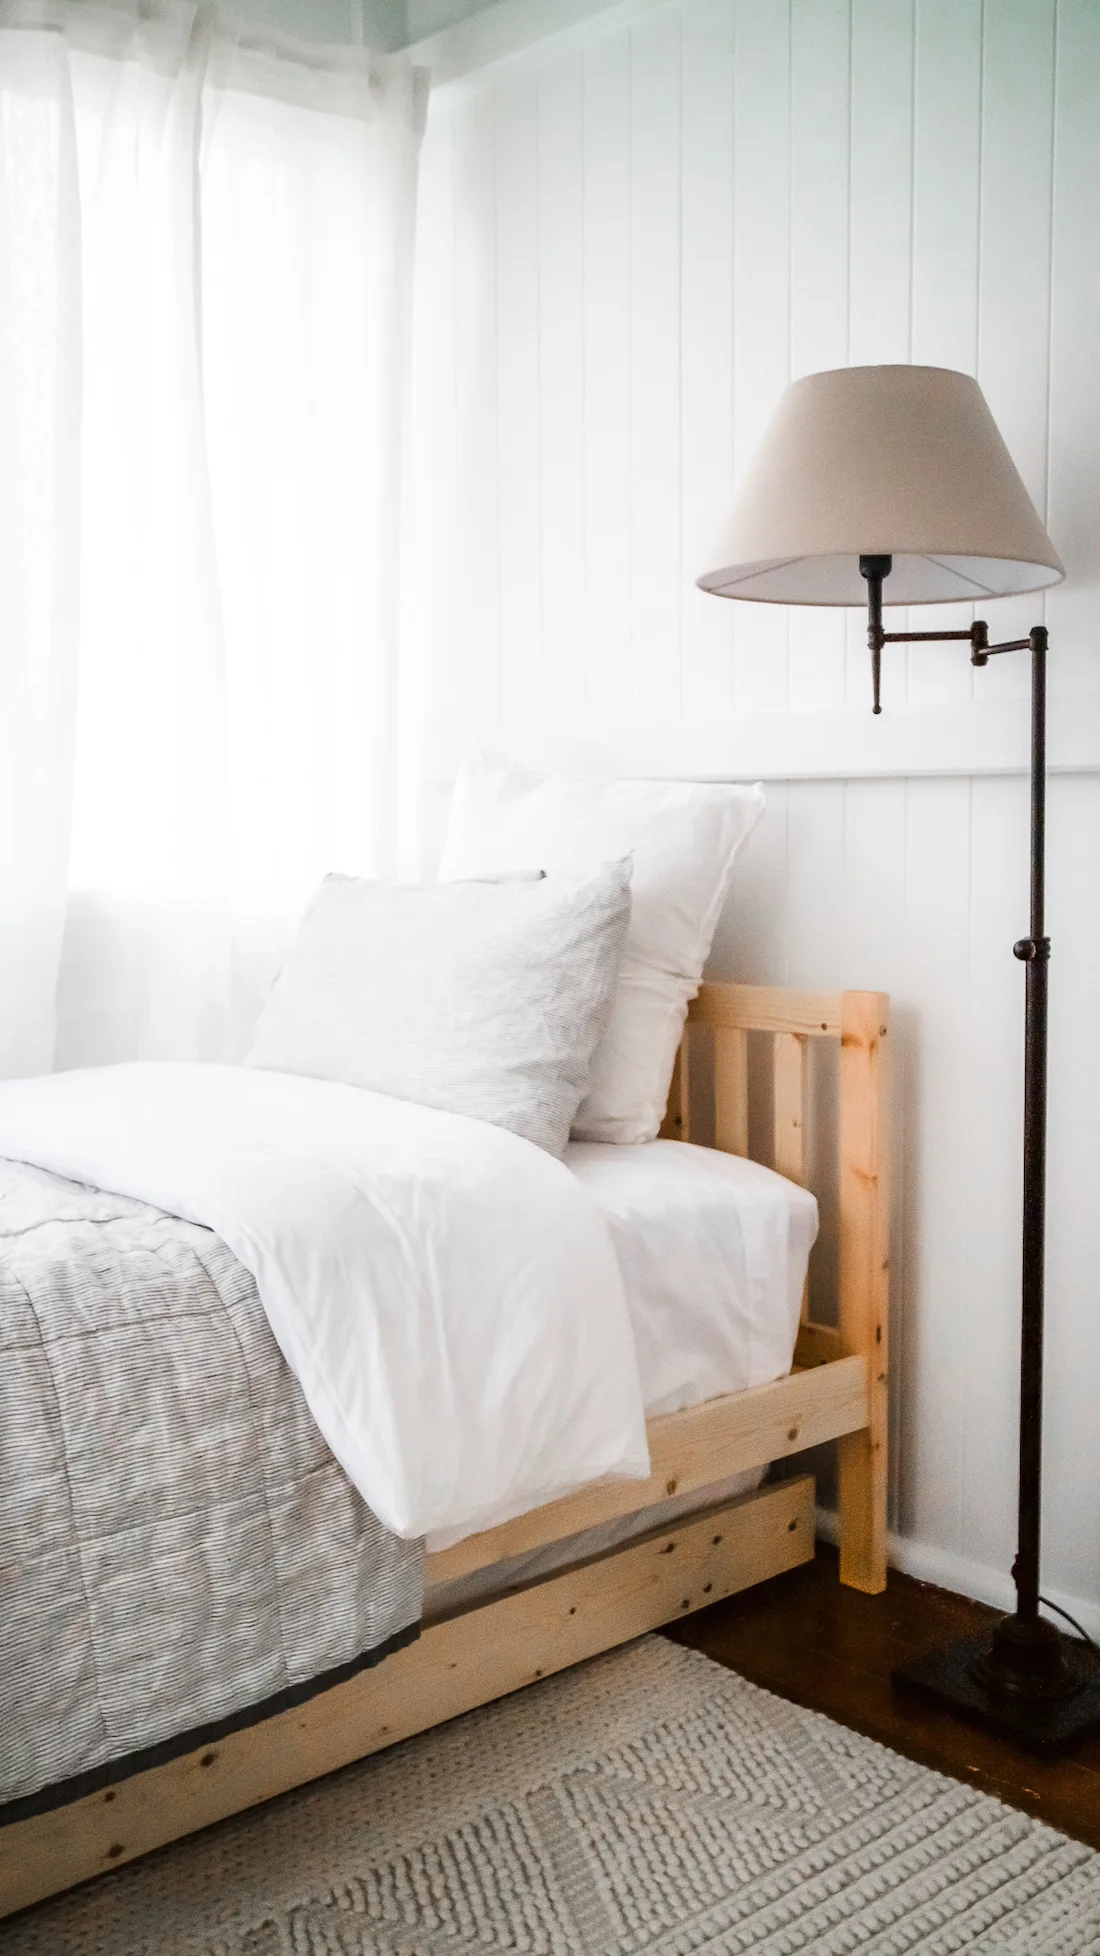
[(833, 1649)]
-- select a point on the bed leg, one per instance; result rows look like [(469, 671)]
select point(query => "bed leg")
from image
[(861, 1499), (864, 1283)]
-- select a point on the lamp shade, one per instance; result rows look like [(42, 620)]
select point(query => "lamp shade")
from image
[(905, 462)]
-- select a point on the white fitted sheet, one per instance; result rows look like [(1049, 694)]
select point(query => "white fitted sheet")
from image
[(713, 1252)]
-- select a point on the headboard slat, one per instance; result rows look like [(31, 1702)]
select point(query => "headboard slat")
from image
[(731, 1090), (788, 1101)]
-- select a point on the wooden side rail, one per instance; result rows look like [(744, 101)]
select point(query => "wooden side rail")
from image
[(687, 1450), (725, 1015), (460, 1662)]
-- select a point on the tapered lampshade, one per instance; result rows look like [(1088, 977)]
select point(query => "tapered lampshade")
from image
[(905, 462)]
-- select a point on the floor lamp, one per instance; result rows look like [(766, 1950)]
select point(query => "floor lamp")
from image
[(892, 484)]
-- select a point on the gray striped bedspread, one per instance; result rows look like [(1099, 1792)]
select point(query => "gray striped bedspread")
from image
[(176, 1540)]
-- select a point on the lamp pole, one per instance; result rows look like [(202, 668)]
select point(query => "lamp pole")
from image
[(1035, 952), (1025, 1679)]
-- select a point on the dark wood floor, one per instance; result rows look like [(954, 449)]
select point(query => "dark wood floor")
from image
[(833, 1649)]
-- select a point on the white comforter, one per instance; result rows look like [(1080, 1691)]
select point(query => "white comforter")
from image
[(447, 1294)]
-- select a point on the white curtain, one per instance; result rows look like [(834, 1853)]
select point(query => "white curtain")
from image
[(39, 407), (231, 225)]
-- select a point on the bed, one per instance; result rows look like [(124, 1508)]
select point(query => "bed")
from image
[(569, 1578)]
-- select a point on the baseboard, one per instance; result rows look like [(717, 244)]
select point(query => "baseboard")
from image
[(965, 1578)]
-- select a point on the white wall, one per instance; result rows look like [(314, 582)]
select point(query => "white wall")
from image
[(629, 241)]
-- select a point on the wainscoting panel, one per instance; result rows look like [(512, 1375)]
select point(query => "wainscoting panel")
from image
[(631, 238)]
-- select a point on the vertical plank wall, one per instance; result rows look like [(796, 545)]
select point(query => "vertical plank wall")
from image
[(629, 241)]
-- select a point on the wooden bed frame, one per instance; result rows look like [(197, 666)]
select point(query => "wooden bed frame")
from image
[(836, 1391)]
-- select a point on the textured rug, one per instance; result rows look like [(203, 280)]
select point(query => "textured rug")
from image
[(647, 1804)]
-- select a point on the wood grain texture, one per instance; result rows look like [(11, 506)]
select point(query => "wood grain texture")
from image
[(768, 1008), (864, 1282), (687, 1450), (789, 1106), (731, 1090), (458, 1664), (817, 1344)]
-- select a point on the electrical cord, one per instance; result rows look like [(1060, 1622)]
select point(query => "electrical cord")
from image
[(1059, 1611)]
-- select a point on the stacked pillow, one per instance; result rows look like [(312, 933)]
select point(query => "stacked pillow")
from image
[(683, 839), (543, 983), (481, 998)]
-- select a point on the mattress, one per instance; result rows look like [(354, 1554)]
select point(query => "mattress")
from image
[(713, 1251)]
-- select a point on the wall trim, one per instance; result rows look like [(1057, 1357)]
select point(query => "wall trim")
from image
[(963, 1577), (974, 738)]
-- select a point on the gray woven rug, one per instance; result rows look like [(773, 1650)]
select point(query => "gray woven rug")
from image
[(647, 1804)]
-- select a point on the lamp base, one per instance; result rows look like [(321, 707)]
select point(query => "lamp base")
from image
[(1023, 1681)]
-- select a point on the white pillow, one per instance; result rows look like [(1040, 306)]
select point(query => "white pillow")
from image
[(683, 838), (485, 999)]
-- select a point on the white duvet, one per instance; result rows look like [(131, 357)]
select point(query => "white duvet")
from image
[(447, 1294)]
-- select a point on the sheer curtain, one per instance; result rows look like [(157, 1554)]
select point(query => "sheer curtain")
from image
[(234, 233), (39, 410)]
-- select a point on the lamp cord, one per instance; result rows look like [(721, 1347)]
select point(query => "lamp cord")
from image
[(1059, 1611)]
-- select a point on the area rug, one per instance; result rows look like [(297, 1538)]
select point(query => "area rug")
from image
[(647, 1804)]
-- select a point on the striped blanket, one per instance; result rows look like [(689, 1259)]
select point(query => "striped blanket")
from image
[(176, 1540)]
